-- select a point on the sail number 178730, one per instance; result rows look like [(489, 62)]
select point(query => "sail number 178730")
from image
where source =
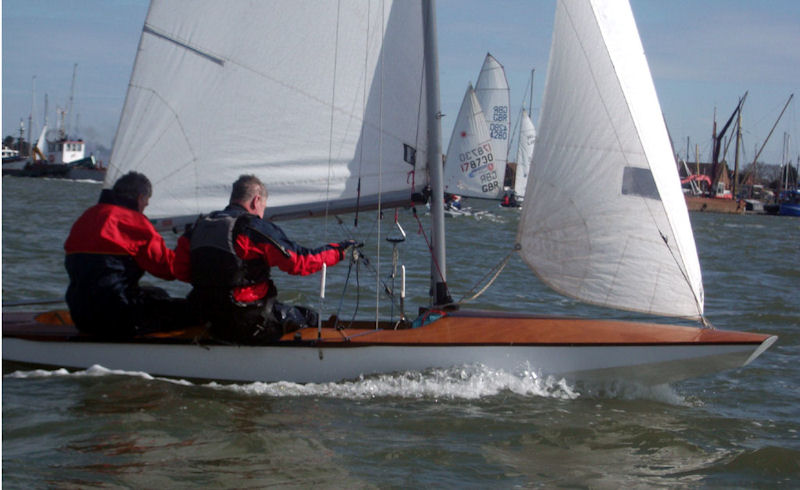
[(475, 158)]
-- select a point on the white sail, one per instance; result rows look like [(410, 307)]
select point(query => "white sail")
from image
[(41, 142), (604, 218), (470, 167), (493, 96), (527, 138), (327, 109)]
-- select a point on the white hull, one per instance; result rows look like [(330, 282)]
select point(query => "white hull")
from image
[(649, 365)]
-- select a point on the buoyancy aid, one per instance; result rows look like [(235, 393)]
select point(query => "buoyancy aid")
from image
[(215, 265)]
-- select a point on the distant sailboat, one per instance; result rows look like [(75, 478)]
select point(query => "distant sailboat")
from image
[(525, 146), (493, 95), (475, 163), (471, 164), (603, 219)]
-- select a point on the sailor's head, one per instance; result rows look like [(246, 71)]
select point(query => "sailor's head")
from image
[(250, 193), (134, 187)]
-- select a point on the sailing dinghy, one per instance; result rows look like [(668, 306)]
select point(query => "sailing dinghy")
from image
[(525, 145), (475, 162), (347, 119), (470, 165)]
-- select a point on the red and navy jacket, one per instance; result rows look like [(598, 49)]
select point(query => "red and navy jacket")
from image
[(260, 245), (108, 250)]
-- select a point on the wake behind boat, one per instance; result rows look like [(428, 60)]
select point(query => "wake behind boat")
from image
[(363, 134)]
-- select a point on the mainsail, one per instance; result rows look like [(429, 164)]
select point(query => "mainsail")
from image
[(329, 110), (604, 219), (493, 96), (470, 166), (527, 138)]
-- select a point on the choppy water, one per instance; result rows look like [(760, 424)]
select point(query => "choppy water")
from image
[(464, 427)]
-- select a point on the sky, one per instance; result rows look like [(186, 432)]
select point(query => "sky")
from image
[(703, 55)]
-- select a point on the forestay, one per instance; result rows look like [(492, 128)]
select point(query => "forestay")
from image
[(470, 168), (327, 109), (604, 219), (527, 138)]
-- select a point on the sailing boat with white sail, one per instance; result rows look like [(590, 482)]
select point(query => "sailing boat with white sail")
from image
[(525, 146), (493, 95), (475, 164), (471, 165), (341, 159)]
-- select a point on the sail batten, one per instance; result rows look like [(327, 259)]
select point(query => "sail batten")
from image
[(309, 104), (604, 218)]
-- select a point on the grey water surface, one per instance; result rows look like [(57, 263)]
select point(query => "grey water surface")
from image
[(465, 427)]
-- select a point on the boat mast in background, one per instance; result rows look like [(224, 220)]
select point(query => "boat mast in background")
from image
[(758, 153)]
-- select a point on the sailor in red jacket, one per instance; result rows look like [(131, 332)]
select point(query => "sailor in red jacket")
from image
[(227, 257), (108, 250)]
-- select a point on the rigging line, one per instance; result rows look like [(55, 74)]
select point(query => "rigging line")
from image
[(330, 127), (430, 250), (686, 278), (498, 268), (330, 143), (363, 114), (341, 298), (358, 293), (380, 169), (363, 258), (519, 117)]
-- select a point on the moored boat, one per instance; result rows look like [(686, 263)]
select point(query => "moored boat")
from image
[(790, 204), (64, 158)]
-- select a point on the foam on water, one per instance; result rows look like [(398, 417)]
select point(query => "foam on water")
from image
[(465, 382), (468, 382), (94, 371)]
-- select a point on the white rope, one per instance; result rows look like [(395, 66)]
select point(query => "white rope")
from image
[(500, 266)]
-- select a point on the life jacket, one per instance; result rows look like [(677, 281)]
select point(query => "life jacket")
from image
[(215, 263)]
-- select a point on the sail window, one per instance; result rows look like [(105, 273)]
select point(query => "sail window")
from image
[(639, 182), (409, 154)]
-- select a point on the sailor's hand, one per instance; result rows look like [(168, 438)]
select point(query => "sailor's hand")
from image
[(349, 248)]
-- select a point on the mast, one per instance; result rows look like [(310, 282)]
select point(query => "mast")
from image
[(21, 140), (530, 101), (758, 153), (30, 116), (718, 143), (439, 295), (67, 127), (736, 158)]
